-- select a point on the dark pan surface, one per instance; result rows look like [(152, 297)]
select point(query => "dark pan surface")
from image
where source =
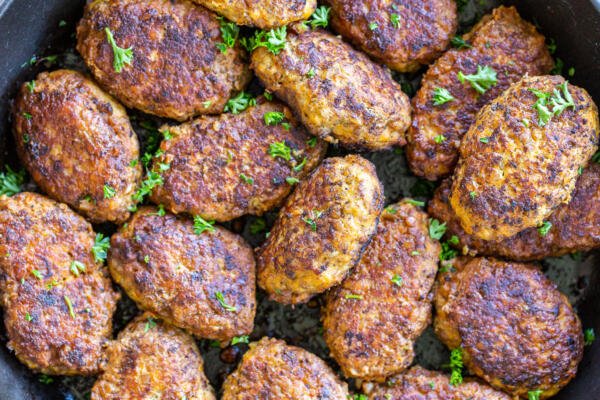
[(31, 27)]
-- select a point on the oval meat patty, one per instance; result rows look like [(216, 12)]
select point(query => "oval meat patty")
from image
[(516, 330), (264, 14), (58, 301), (373, 318), (503, 41), (573, 227), (420, 384), (152, 360), (225, 166), (176, 70), (402, 34), (338, 93), (321, 230), (202, 282), (77, 144), (273, 370), (515, 169)]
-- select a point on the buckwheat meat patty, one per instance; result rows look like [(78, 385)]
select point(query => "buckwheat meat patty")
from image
[(151, 359), (501, 41), (272, 370), (515, 169), (264, 14), (203, 282), (77, 144), (572, 227), (516, 330), (337, 92), (373, 318), (222, 167), (321, 230), (58, 301), (420, 384), (402, 34), (176, 69)]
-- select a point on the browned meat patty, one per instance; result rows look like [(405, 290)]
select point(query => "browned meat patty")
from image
[(263, 14), (514, 170), (574, 226), (403, 34), (321, 230), (58, 301), (272, 370), (516, 330), (176, 71), (502, 41), (152, 360), (201, 282), (78, 145), (420, 384), (373, 318), (338, 93), (225, 166)]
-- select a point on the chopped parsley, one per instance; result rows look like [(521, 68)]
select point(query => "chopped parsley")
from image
[(30, 86), (300, 166), (311, 72), (76, 267), (395, 20), (150, 323), (484, 140), (441, 96), (239, 103), (11, 181), (481, 81), (589, 336), (69, 305), (274, 117), (397, 280), (28, 317), (201, 225), (447, 253), (100, 247), (27, 116), (312, 221), (312, 142), (221, 299), (246, 179), (273, 40), (414, 202), (560, 100), (320, 17), (459, 43), (544, 228), (45, 379), (291, 180), (109, 192), (37, 274), (257, 226), (268, 95), (281, 150), (240, 339), (391, 210), (534, 394), (229, 33), (121, 56), (439, 139), (373, 26), (436, 229), (351, 296), (456, 366)]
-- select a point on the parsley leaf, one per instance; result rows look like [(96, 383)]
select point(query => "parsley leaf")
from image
[(11, 182), (395, 20), (320, 17), (589, 336), (439, 139), (544, 228), (481, 81), (414, 202), (221, 299), (77, 267), (441, 96), (352, 296), (100, 247), (459, 43), (109, 192), (247, 179), (240, 339), (121, 56), (273, 40), (274, 117), (436, 230), (456, 366), (534, 394), (397, 280), (239, 103), (150, 323), (291, 180), (229, 33), (280, 149), (257, 226), (312, 221), (201, 225), (69, 306)]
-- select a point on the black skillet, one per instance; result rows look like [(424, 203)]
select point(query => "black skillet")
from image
[(46, 28)]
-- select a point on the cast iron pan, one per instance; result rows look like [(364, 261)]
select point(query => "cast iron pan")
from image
[(31, 28)]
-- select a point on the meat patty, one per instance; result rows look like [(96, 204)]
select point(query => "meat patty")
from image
[(574, 226), (263, 14), (201, 282), (58, 301), (273, 370), (502, 41), (516, 330), (222, 167), (373, 318), (337, 92), (419, 384), (321, 230), (514, 170), (152, 360), (402, 34), (176, 71), (78, 145)]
